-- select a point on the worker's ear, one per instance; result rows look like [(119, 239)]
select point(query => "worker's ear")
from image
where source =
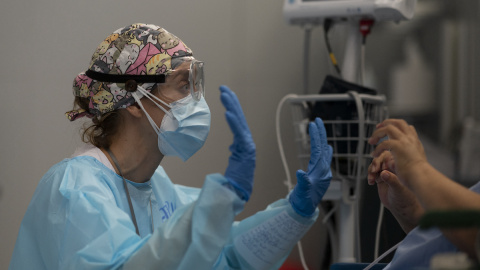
[(135, 110)]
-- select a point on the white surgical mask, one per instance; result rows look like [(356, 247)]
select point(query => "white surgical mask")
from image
[(184, 127)]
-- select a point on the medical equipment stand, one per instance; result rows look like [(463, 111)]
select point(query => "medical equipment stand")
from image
[(347, 212), (308, 13), (347, 207), (312, 13)]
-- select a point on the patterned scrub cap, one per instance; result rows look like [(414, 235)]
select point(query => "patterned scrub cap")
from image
[(138, 50)]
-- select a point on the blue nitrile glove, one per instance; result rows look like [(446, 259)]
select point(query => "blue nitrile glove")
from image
[(312, 185), (241, 164)]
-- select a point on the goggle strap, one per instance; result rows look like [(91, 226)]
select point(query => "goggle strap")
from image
[(123, 78)]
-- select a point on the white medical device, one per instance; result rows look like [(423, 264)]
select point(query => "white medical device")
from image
[(314, 11)]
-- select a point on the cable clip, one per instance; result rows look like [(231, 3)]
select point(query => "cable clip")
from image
[(365, 27)]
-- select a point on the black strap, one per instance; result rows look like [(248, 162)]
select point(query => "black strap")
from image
[(117, 78)]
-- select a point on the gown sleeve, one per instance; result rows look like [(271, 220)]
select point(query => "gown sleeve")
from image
[(195, 235), (264, 240)]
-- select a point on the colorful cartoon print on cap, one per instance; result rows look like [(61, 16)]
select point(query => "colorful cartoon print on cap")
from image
[(138, 49)]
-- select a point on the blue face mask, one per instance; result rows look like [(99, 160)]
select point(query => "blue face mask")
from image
[(184, 127)]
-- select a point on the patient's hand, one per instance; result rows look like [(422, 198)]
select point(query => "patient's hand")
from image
[(405, 147), (395, 196)]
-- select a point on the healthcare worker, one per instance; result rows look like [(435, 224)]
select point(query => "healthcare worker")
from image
[(112, 206), (409, 186)]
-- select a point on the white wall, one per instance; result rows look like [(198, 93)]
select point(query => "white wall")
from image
[(46, 43)]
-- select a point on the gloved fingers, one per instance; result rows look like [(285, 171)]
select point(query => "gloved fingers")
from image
[(228, 98), (321, 152), (315, 147), (243, 141), (327, 150), (231, 103), (234, 124), (321, 131), (315, 143)]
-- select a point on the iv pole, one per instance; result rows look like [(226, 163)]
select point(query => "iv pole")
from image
[(347, 216)]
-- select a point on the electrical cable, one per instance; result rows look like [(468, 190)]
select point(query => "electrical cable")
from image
[(382, 256), (329, 214), (327, 24), (358, 242), (302, 257), (288, 182), (377, 233), (332, 232)]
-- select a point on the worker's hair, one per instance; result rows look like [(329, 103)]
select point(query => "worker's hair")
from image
[(103, 128)]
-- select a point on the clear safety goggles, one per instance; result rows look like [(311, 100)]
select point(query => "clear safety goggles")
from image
[(196, 77), (186, 79)]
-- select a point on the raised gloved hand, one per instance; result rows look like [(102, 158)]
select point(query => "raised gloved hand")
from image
[(241, 164), (312, 185)]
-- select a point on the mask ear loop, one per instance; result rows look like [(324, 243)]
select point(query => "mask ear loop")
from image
[(148, 94)]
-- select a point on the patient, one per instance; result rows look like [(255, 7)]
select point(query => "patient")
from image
[(409, 186)]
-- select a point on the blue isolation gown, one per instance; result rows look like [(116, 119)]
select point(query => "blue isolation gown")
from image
[(79, 218), (419, 247)]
